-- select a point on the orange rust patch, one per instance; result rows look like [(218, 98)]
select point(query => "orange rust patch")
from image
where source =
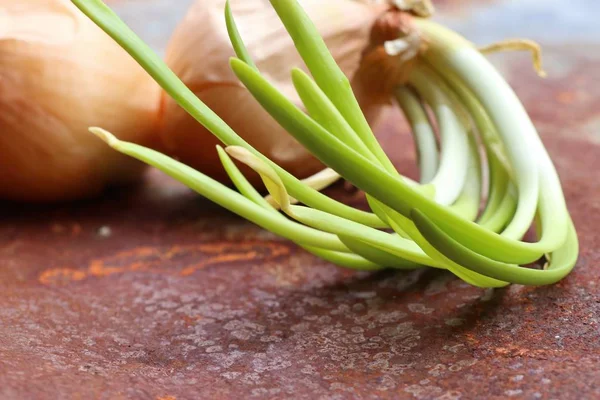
[(279, 250), (151, 259), (218, 260), (56, 276), (98, 269), (471, 339), (514, 351)]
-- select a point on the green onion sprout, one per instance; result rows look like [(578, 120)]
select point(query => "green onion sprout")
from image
[(452, 218)]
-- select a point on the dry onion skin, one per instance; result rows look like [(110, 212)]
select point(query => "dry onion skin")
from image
[(59, 74), (199, 53), (437, 222)]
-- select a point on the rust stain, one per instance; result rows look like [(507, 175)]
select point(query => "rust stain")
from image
[(99, 270), (219, 260), (61, 275), (471, 339), (150, 258), (514, 351)]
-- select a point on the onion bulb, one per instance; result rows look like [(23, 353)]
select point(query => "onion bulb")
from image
[(199, 53), (59, 74)]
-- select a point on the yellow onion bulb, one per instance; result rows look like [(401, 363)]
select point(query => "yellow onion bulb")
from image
[(59, 75), (199, 53)]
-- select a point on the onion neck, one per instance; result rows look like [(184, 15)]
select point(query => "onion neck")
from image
[(387, 61)]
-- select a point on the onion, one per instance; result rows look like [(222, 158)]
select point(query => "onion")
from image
[(59, 74), (199, 53)]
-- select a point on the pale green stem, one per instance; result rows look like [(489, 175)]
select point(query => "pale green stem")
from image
[(452, 172), (424, 136)]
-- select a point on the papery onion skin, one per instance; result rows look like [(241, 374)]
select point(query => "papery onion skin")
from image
[(199, 54), (60, 74)]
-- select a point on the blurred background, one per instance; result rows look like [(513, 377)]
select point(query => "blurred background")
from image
[(546, 21)]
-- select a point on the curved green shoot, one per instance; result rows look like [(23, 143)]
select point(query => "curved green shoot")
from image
[(452, 171), (108, 21), (393, 244), (341, 258), (562, 262), (424, 137), (536, 179), (222, 195), (236, 39), (327, 73), (388, 189), (435, 223)]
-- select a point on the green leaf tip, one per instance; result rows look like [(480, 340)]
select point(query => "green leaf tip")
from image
[(270, 178), (105, 135), (234, 36)]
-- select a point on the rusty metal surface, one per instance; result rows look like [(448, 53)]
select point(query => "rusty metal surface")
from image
[(156, 294)]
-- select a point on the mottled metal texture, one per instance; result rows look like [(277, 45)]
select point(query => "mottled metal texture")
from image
[(156, 294)]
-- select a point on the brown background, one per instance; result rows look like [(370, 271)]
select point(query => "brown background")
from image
[(154, 293)]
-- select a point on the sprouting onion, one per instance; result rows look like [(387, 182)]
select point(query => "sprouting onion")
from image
[(436, 222)]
